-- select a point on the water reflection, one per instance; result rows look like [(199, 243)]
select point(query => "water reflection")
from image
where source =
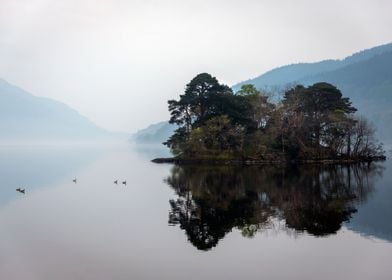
[(211, 201), (40, 166)]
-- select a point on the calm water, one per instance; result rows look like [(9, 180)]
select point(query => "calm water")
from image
[(172, 222)]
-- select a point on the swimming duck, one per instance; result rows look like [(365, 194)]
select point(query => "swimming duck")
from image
[(20, 190)]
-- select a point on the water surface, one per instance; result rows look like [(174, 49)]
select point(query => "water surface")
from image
[(170, 222)]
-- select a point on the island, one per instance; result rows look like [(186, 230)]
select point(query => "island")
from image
[(313, 124)]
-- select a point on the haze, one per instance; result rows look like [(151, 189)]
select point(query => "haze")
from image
[(117, 62)]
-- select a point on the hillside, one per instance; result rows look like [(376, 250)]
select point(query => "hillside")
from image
[(369, 85), (25, 117), (288, 74), (154, 134)]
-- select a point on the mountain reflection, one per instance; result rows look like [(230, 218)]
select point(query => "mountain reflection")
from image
[(211, 201)]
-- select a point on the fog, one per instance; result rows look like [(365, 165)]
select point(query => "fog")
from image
[(117, 62)]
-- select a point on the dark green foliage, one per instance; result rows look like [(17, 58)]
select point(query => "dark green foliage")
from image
[(314, 122), (204, 100), (323, 114)]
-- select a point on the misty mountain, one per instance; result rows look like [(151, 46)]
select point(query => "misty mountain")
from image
[(154, 134), (369, 85), (25, 117), (294, 73)]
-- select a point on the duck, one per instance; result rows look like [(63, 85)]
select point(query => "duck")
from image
[(116, 182), (124, 182), (20, 190), (74, 180)]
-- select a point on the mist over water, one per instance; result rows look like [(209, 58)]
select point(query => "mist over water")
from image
[(171, 222)]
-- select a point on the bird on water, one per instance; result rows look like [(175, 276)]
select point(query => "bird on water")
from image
[(20, 190), (74, 180)]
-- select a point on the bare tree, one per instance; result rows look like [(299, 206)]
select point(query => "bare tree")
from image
[(363, 142)]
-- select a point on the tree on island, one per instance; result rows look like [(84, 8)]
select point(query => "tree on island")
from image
[(314, 122)]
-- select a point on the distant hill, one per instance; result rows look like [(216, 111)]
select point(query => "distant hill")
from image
[(365, 77), (25, 117), (154, 134), (369, 85), (293, 73)]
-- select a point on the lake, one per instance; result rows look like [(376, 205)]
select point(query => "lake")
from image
[(171, 222)]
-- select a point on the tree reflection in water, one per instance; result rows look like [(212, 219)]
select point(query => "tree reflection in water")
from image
[(211, 201)]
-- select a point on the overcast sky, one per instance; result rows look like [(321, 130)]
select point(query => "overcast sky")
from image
[(117, 62)]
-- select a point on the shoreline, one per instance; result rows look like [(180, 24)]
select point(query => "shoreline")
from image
[(249, 162)]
